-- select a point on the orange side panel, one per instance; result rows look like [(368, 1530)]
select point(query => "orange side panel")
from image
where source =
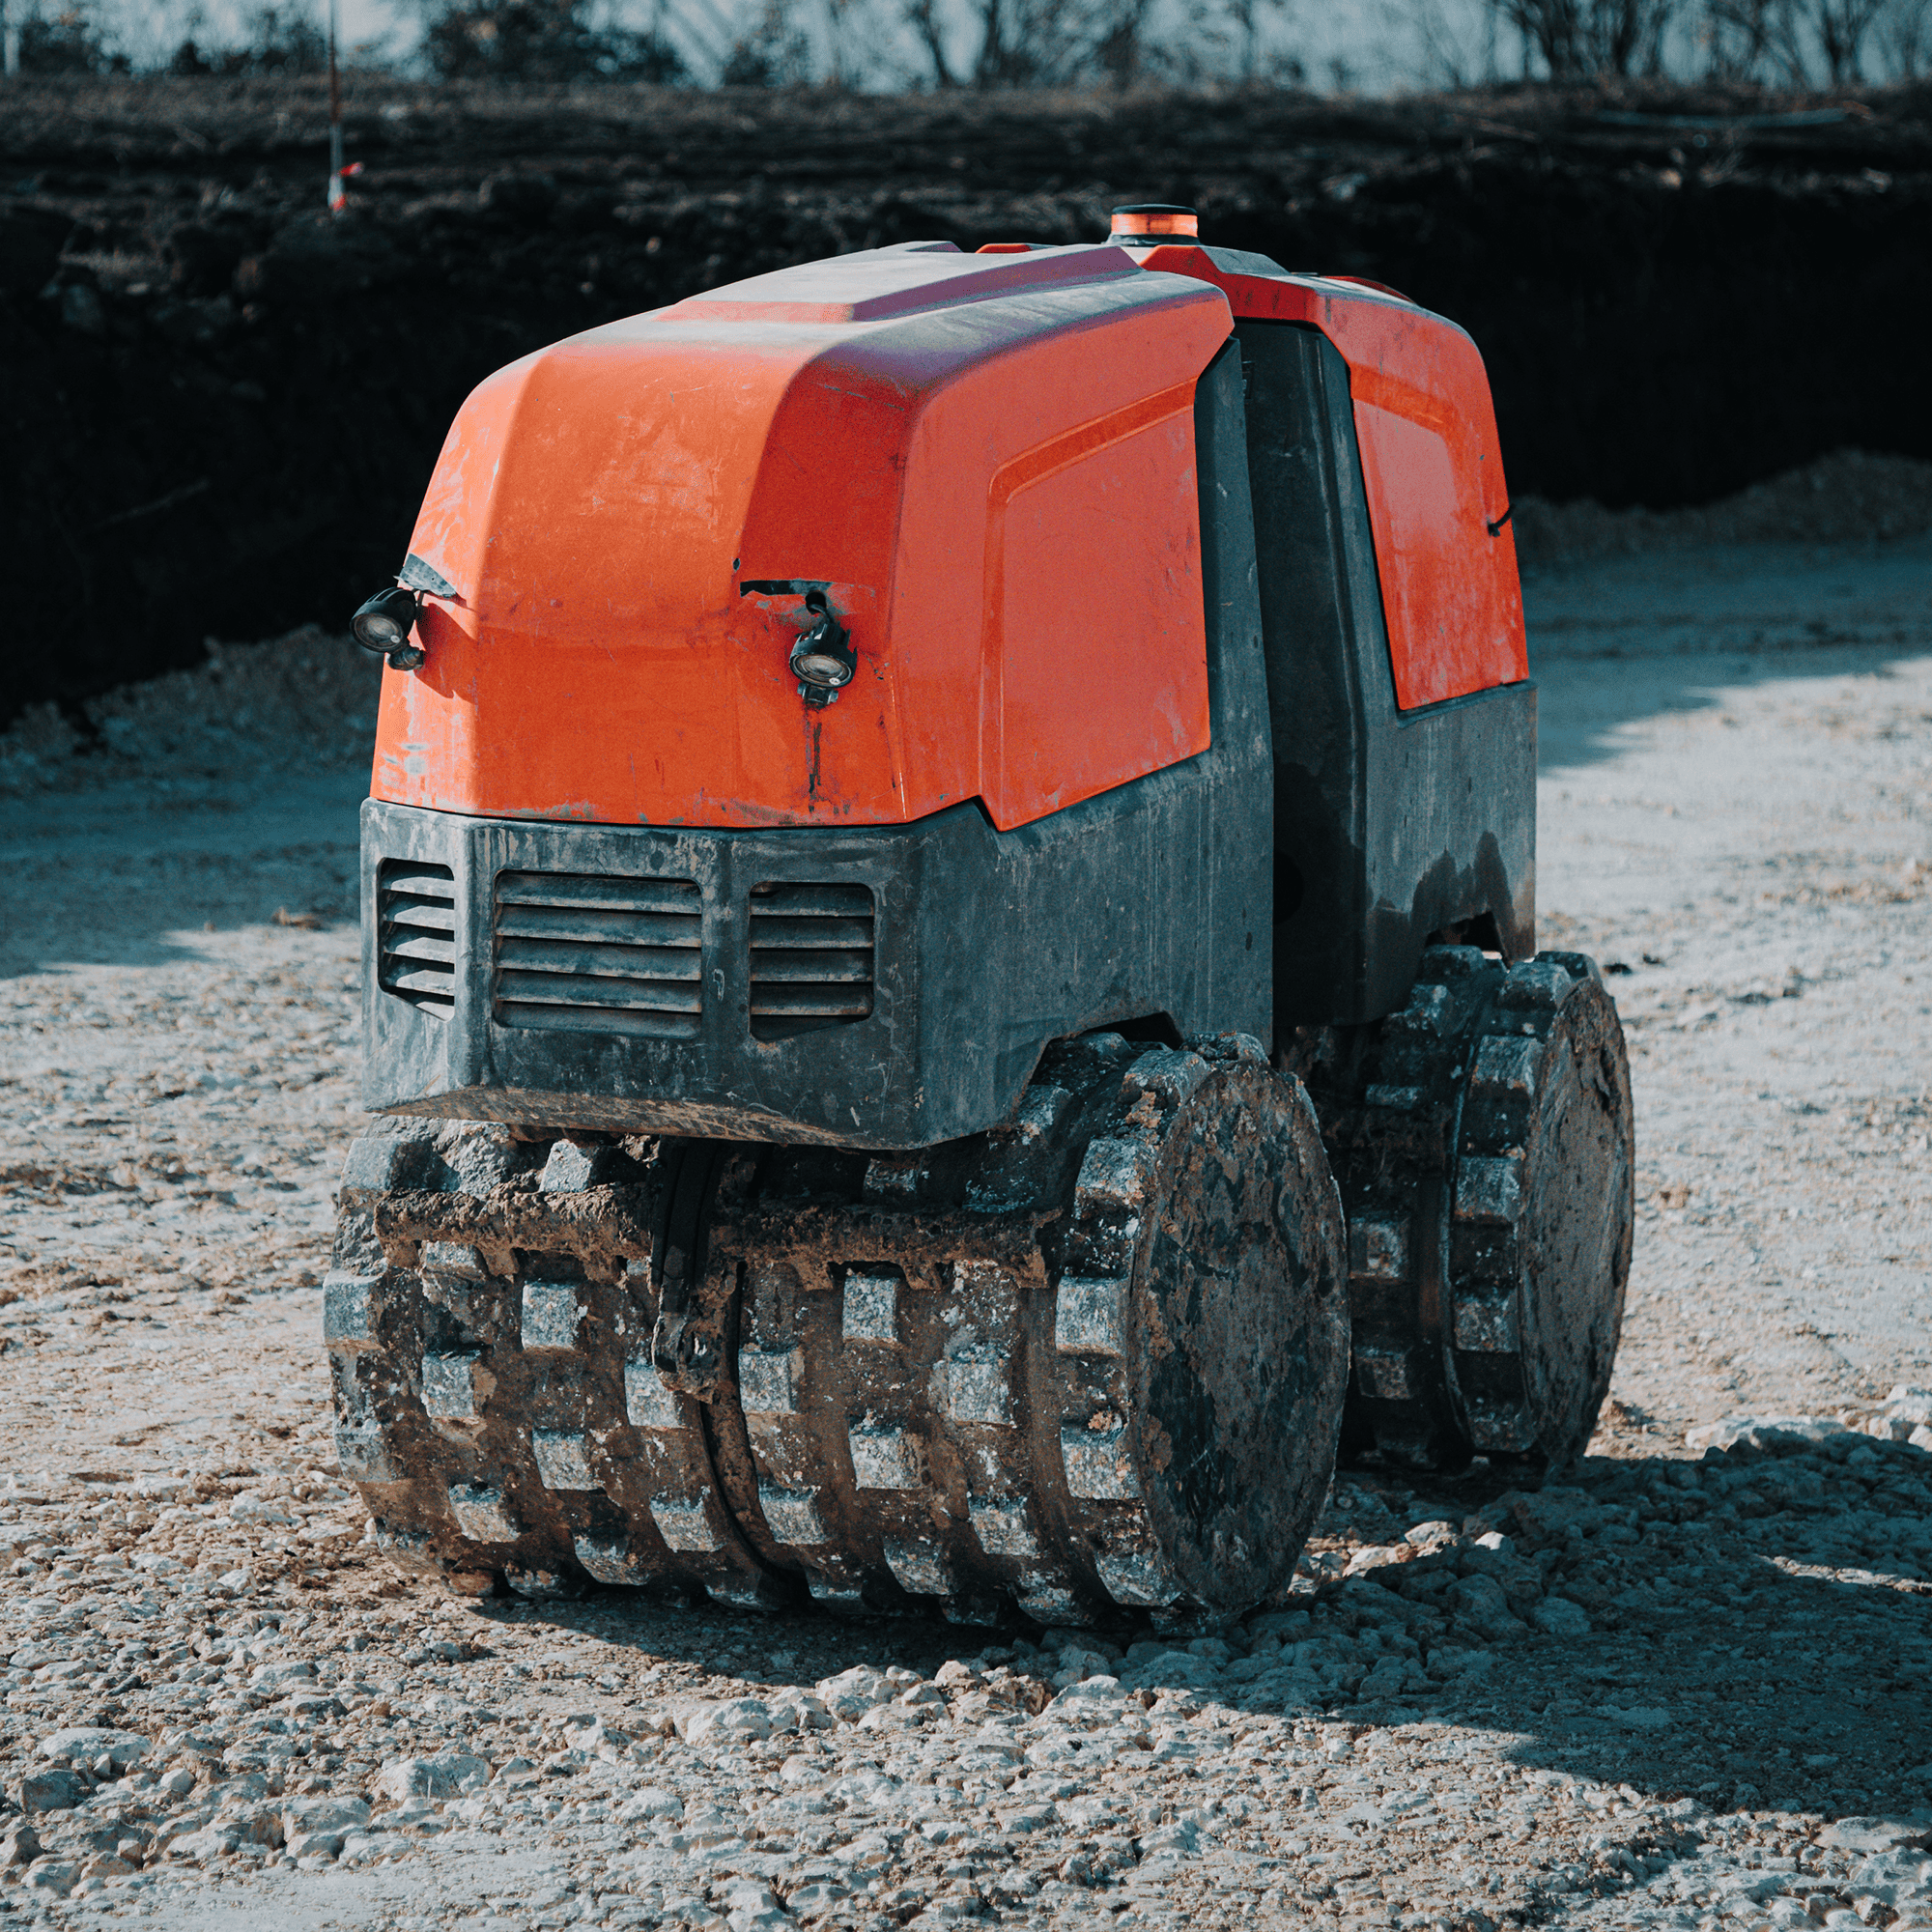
[(1432, 467), (1113, 505), (988, 464)]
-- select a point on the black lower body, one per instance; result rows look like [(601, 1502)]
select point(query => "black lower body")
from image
[(1441, 845), (878, 987)]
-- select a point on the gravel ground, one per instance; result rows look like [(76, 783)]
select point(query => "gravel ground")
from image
[(1688, 1685)]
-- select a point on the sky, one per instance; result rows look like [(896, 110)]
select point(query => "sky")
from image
[(152, 29), (361, 20)]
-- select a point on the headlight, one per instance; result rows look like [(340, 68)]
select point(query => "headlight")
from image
[(384, 623), (823, 659)]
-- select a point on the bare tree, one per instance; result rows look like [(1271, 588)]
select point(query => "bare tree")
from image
[(927, 22), (1744, 39), (1245, 17), (1801, 42), (1586, 39), (1118, 41), (1063, 42), (775, 52), (1022, 43), (1842, 29), (862, 45), (1905, 34)]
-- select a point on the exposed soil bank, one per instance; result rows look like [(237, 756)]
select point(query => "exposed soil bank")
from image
[(220, 409)]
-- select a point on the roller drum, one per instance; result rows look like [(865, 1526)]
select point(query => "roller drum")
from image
[(1090, 1363)]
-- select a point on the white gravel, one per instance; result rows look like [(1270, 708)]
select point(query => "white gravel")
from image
[(1688, 1686)]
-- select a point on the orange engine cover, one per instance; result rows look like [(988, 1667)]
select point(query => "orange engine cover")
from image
[(1431, 464), (987, 464)]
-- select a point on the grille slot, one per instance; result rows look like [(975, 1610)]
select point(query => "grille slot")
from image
[(811, 957), (578, 953), (415, 935)]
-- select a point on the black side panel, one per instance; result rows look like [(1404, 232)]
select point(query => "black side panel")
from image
[(1389, 825), (880, 987)]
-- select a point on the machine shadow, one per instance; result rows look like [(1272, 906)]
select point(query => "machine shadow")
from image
[(1778, 1697), (1772, 1690), (129, 874), (1749, 1665), (1618, 641)]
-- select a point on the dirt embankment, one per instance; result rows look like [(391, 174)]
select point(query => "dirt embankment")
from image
[(221, 406)]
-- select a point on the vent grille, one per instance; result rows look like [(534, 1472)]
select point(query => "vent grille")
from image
[(415, 935), (577, 953), (811, 957)]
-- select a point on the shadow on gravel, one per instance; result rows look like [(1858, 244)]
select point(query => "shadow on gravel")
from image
[(801, 1644), (125, 873), (1752, 1630), (1793, 1692), (1621, 640)]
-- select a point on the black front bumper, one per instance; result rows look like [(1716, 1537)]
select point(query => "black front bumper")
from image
[(985, 945)]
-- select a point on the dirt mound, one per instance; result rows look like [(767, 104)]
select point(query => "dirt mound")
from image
[(1847, 497), (307, 695)]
